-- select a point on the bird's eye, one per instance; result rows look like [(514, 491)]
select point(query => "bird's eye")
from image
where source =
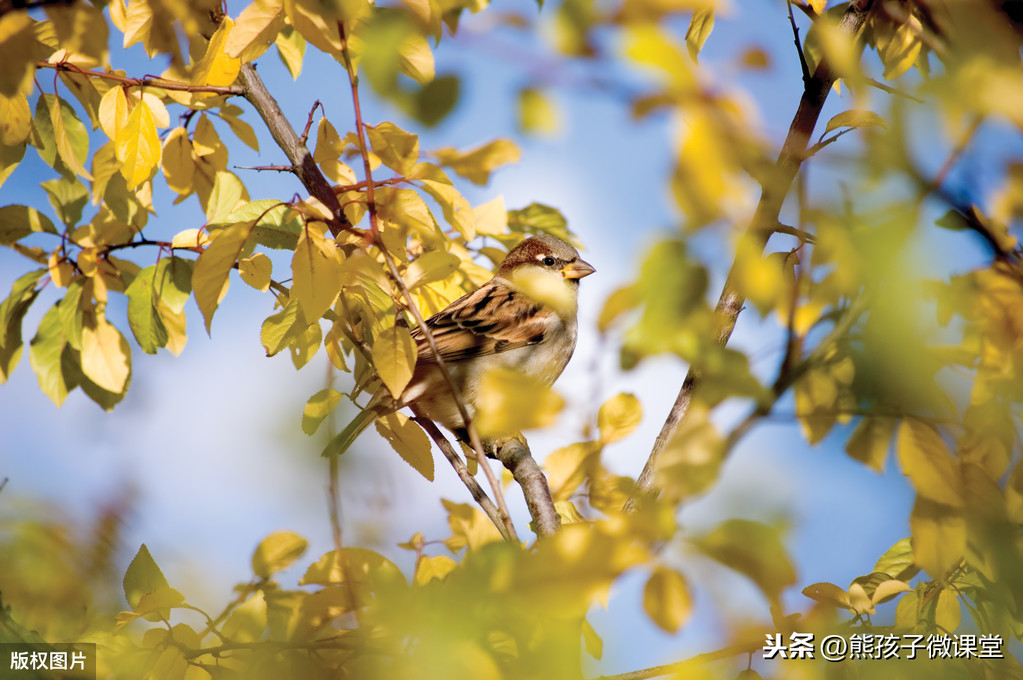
[(549, 261)]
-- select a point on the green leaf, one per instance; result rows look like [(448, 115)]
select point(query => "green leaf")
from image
[(699, 30), (173, 282), (855, 118), (666, 599), (68, 197), (276, 552), (143, 577), (45, 354), (409, 440), (618, 417), (70, 135), (12, 313), (394, 357), (278, 226), (753, 549), (318, 408), (18, 221), (431, 103), (143, 318)]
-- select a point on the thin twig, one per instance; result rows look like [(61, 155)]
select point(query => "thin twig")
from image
[(267, 168), (149, 81), (731, 301), (309, 123), (478, 494), (799, 47)]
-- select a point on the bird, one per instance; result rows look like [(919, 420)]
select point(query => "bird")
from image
[(522, 319)]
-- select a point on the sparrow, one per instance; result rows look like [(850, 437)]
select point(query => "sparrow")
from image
[(523, 319)]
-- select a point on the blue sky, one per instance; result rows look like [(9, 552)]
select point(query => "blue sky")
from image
[(211, 439)]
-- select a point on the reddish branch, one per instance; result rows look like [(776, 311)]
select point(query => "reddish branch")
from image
[(731, 301)]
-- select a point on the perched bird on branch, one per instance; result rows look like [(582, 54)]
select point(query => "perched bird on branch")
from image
[(523, 319)]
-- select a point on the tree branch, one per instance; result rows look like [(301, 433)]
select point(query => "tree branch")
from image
[(305, 167), (775, 188), (514, 454), (478, 494)]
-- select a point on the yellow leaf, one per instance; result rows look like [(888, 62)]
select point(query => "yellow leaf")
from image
[(699, 30), (227, 193), (246, 623), (928, 463), (855, 118), (899, 54), (666, 599), (394, 357), (15, 119), (433, 265), (618, 417), (476, 164), (457, 210), (177, 163), (255, 30), (939, 536), (276, 552), (114, 109), (491, 218), (828, 593), (409, 440), (175, 322), (318, 408), (17, 52), (191, 238), (137, 146), (537, 112), (947, 612), (61, 271), (510, 401), (210, 276), (816, 395), (470, 528), (317, 271), (870, 441), (106, 356), (433, 569), (291, 48), (217, 67), (886, 590), (568, 467), (397, 149), (818, 5), (329, 148), (567, 512), (753, 549), (256, 271), (416, 58)]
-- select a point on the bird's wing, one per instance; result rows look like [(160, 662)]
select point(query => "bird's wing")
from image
[(495, 318)]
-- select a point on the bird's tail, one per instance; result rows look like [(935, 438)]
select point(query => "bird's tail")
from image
[(346, 437)]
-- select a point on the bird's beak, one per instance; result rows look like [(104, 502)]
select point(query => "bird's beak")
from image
[(577, 269)]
